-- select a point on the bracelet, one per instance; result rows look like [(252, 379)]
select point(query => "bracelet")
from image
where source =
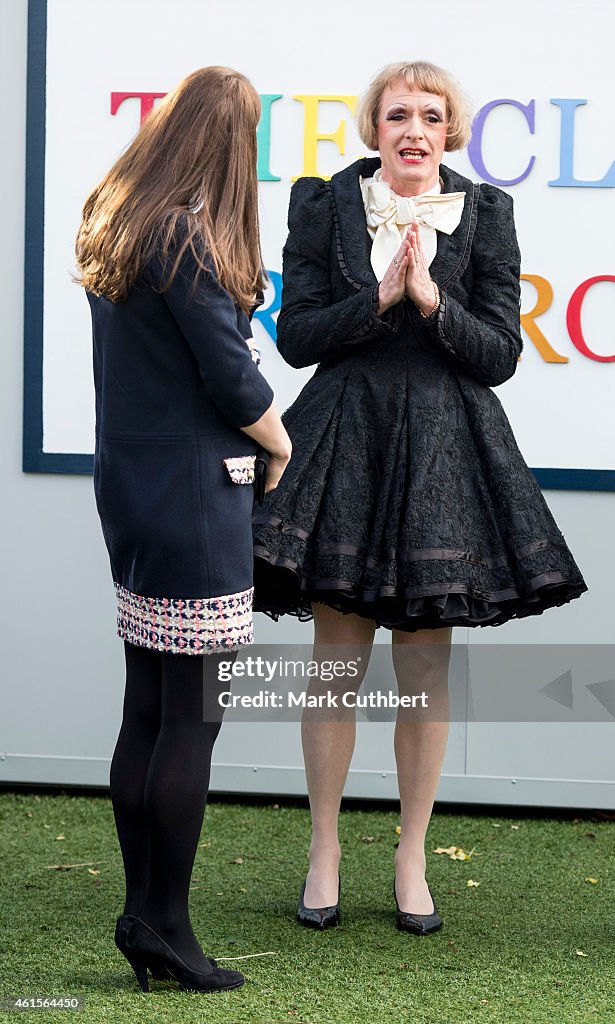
[(426, 316)]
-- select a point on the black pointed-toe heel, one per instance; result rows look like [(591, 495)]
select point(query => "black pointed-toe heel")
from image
[(418, 924), (319, 917), (122, 927), (145, 946)]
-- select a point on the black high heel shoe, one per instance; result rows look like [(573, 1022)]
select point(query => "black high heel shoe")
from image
[(319, 917), (418, 924), (145, 946), (122, 927)]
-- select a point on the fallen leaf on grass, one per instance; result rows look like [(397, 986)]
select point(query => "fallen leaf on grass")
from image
[(398, 830), (455, 852), (60, 837), (204, 846), (471, 884), (516, 827), (367, 839), (493, 825), (238, 860), (580, 952), (93, 871), (594, 881)]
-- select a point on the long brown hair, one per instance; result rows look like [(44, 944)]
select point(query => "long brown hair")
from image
[(194, 161)]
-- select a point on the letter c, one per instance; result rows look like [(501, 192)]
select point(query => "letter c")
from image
[(475, 145)]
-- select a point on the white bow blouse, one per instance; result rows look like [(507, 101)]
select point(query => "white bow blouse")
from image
[(389, 216)]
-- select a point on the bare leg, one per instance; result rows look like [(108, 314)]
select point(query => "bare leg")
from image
[(328, 744), (421, 661)]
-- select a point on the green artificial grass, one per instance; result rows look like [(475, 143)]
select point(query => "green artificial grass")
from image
[(534, 942)]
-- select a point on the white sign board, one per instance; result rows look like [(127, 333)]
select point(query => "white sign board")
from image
[(537, 78)]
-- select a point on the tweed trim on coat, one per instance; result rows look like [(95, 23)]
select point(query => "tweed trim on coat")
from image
[(208, 625)]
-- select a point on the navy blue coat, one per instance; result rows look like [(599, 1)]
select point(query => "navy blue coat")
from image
[(175, 380)]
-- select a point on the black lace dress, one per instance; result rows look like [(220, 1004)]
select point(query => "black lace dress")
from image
[(406, 500)]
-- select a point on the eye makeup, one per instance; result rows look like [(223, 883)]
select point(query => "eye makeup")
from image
[(401, 110)]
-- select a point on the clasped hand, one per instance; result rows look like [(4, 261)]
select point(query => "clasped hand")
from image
[(407, 274)]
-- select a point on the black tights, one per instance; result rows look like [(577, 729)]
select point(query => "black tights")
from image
[(159, 784)]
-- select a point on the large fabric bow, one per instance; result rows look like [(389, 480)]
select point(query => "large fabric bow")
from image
[(389, 215)]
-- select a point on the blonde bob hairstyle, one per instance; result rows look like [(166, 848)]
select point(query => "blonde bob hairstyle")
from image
[(425, 77), (187, 181)]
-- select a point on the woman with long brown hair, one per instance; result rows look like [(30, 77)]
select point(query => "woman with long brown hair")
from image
[(169, 255)]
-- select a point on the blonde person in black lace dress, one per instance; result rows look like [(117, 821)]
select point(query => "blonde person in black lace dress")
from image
[(407, 503)]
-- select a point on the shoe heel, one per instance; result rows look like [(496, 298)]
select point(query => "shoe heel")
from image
[(139, 966)]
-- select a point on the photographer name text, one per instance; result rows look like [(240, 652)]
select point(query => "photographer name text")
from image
[(329, 699)]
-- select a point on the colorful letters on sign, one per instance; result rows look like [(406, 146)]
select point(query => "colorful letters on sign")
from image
[(312, 136)]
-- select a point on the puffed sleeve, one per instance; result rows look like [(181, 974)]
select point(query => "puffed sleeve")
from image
[(208, 320), (311, 326), (485, 341)]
